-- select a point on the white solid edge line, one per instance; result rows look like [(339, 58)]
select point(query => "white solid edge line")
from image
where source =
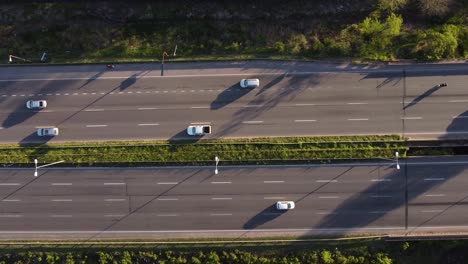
[(11, 200), (435, 195), (94, 110), (114, 183), (357, 103), (458, 101), (199, 107), (9, 184), (434, 179), (210, 231), (168, 183), (61, 184), (147, 108)]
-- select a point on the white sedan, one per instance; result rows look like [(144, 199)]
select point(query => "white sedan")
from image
[(285, 205), (249, 83), (48, 132), (36, 104)]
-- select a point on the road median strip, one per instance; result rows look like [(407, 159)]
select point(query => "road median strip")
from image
[(203, 152)]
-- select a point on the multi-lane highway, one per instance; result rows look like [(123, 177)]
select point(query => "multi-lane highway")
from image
[(89, 102), (425, 195)]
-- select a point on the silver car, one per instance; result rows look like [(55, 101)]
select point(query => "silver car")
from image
[(285, 205), (249, 83), (48, 132), (36, 104)]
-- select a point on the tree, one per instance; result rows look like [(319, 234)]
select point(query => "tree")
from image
[(434, 7), (433, 45)]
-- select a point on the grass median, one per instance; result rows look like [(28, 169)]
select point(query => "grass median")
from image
[(230, 151)]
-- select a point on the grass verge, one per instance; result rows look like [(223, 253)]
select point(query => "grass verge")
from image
[(191, 151)]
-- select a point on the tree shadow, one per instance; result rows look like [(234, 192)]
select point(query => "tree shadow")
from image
[(385, 196), (271, 84), (267, 215), (91, 79), (422, 96), (128, 82), (295, 86), (458, 128), (228, 96)]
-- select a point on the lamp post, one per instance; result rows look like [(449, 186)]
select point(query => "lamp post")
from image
[(42, 166), (216, 160), (397, 163), (162, 62)]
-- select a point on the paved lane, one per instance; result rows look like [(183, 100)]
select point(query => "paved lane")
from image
[(192, 201), (135, 102)]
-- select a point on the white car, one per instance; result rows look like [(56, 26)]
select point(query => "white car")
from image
[(198, 130), (249, 83), (49, 131), (36, 104), (285, 205)]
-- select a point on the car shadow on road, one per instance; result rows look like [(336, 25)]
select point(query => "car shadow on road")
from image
[(228, 96), (267, 215)]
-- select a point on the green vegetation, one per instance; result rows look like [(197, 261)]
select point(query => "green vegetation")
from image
[(258, 150), (133, 31), (315, 252)]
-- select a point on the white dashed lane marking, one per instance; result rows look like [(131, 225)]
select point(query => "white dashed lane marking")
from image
[(96, 125)]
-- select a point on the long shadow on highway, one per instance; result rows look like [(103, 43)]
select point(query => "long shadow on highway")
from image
[(19, 112), (458, 129), (422, 96), (295, 85), (388, 192), (268, 214), (139, 207), (228, 96)]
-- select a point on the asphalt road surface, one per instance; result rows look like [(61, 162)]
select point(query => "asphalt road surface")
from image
[(425, 195), (133, 102)]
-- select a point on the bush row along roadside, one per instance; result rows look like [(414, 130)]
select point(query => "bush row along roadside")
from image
[(377, 30), (355, 252), (206, 150)]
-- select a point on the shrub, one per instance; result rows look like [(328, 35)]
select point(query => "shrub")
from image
[(296, 43), (433, 45)]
